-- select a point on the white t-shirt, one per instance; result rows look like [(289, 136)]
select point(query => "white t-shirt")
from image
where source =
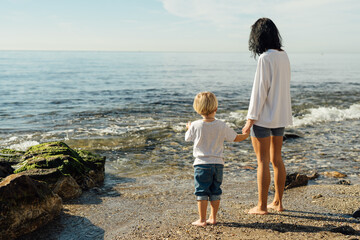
[(209, 140), (270, 102)]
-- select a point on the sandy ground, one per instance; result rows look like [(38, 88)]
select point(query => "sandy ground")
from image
[(163, 206)]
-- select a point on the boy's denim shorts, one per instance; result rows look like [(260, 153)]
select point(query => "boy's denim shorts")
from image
[(208, 178), (262, 132)]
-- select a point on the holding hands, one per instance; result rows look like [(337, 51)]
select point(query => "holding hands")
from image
[(247, 127)]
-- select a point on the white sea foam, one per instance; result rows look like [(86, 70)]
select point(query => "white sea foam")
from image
[(23, 146), (324, 114)]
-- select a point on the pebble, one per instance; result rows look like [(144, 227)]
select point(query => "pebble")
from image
[(317, 196), (344, 182)]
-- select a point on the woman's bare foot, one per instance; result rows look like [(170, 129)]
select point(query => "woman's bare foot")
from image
[(276, 206), (257, 210), (211, 221), (199, 223)]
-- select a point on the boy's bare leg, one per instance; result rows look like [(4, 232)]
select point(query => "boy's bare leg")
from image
[(202, 207), (279, 172), (262, 151), (214, 209)]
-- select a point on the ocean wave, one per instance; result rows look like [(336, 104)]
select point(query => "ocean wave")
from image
[(23, 146), (327, 114)]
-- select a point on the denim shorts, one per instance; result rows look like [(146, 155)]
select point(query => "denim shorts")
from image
[(208, 178), (262, 132)]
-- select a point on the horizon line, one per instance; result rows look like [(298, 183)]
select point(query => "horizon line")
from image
[(160, 51)]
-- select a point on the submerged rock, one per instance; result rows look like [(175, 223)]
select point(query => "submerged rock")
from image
[(25, 205)]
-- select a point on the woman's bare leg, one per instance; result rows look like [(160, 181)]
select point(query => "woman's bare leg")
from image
[(279, 172), (262, 150)]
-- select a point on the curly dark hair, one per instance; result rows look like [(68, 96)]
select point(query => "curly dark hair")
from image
[(264, 35)]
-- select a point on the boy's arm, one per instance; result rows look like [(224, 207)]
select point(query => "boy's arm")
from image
[(241, 137), (188, 124), (188, 135)]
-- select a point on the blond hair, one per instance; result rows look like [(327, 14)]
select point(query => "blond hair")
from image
[(205, 103)]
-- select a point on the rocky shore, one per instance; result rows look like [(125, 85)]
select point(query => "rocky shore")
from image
[(46, 175), (162, 206)]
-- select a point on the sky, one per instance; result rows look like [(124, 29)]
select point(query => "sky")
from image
[(176, 25)]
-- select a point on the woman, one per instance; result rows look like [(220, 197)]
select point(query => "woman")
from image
[(269, 110)]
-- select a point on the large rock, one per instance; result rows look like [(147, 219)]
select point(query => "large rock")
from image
[(66, 171), (63, 185), (25, 205)]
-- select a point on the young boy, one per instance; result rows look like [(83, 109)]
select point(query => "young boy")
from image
[(208, 135)]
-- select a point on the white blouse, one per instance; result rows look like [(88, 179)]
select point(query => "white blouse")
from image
[(270, 102)]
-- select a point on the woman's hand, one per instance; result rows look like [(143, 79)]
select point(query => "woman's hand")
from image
[(247, 127)]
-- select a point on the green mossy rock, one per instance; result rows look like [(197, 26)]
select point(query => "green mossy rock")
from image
[(10, 156), (85, 167)]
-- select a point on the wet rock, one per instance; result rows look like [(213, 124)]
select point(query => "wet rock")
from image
[(288, 136), (5, 169), (54, 160), (335, 174), (63, 185), (295, 180), (67, 188), (344, 182), (11, 156), (292, 135), (25, 205), (356, 214), (347, 230)]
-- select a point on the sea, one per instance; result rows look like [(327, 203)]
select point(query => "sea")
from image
[(132, 107)]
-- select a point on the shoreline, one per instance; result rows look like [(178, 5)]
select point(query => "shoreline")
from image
[(163, 206)]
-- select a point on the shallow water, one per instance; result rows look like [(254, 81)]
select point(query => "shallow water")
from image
[(132, 107)]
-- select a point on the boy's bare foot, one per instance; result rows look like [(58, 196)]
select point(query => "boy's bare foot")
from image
[(199, 224), (276, 207), (211, 221), (257, 210)]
